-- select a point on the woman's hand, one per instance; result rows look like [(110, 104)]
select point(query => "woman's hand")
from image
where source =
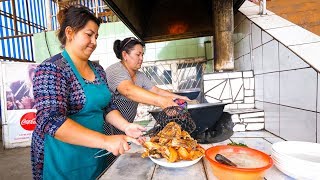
[(166, 102), (118, 144), (134, 130), (182, 97)]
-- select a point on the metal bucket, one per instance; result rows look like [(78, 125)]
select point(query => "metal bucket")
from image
[(204, 115)]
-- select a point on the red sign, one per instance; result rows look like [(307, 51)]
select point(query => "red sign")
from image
[(28, 121)]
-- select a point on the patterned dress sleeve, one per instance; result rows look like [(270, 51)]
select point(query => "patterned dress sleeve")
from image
[(50, 92)]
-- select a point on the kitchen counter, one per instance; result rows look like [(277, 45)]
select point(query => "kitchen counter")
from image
[(131, 166)]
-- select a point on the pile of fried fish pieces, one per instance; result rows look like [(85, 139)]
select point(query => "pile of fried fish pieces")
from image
[(173, 144)]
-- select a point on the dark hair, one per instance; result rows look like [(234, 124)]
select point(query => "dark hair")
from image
[(75, 16), (126, 45)]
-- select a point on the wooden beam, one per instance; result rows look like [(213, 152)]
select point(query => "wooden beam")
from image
[(15, 24), (223, 30)]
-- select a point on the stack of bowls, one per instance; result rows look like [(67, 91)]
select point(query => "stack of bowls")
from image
[(300, 160)]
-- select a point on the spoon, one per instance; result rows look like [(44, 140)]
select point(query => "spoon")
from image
[(223, 160)]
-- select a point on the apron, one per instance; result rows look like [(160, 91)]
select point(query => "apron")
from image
[(66, 161)]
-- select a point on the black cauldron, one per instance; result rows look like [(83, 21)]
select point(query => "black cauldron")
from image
[(204, 115)]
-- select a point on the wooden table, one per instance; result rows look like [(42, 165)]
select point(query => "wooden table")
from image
[(131, 166)]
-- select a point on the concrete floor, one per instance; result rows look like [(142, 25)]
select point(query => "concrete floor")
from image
[(14, 163)]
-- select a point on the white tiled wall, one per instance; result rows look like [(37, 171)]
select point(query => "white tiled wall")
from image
[(296, 124), (271, 116), (287, 88)]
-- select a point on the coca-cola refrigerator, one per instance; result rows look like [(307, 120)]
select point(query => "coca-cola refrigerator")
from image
[(17, 103)]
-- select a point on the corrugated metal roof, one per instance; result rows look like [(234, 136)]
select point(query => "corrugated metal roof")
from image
[(16, 42)]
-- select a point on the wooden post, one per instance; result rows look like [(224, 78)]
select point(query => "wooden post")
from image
[(223, 30), (48, 15)]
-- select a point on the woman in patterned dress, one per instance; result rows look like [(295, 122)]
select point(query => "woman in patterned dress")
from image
[(130, 86), (72, 101)]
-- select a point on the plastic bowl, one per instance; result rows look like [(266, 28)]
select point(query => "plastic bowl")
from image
[(225, 172)]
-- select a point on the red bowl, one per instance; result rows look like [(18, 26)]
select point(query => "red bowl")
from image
[(225, 172)]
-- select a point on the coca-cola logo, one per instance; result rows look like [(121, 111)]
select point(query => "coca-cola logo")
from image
[(28, 121)]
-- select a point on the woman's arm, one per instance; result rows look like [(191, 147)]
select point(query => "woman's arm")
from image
[(138, 94), (116, 119), (166, 93), (74, 133)]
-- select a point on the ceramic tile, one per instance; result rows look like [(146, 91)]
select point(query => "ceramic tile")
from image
[(237, 50), (208, 85), (257, 60), (201, 51), (249, 100), (271, 87), (289, 60), (192, 50), (248, 74), (101, 46), (245, 106), (256, 36), (297, 125), (258, 104), (285, 34), (308, 52), (271, 118), (226, 93), (248, 4), (247, 64), (216, 91), (246, 83), (237, 63), (233, 75), (249, 92), (236, 88), (150, 55), (211, 76), (266, 37), (274, 173), (251, 86), (211, 100), (252, 134), (238, 18), (259, 87), (245, 29), (245, 46), (253, 12), (318, 94), (255, 143), (270, 57), (252, 115), (254, 126), (298, 88), (318, 127), (270, 22), (109, 44), (253, 120), (273, 140), (207, 167), (242, 111), (150, 45), (239, 128)]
